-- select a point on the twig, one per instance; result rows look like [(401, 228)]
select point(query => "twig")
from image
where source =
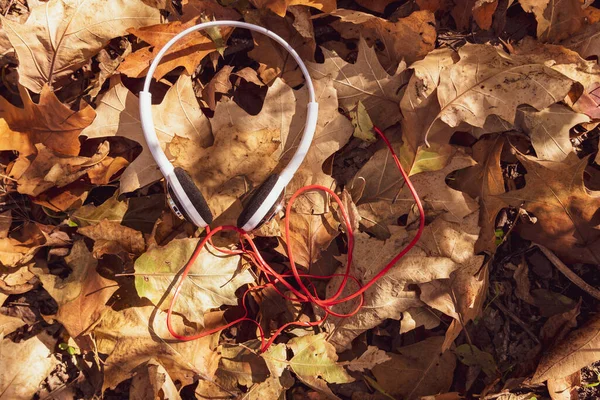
[(572, 276), (516, 319)]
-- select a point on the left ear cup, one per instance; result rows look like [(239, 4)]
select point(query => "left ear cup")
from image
[(255, 202), (194, 199)]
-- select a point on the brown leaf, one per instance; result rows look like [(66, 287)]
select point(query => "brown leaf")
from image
[(135, 335), (113, 238), (59, 37), (49, 121), (559, 325), (574, 352), (108, 67), (279, 6), (364, 81), (297, 30), (370, 358), (241, 365), (9, 324), (556, 19), (484, 181), (178, 115), (565, 388), (152, 381), (555, 194), (549, 130), (420, 369), (408, 39), (25, 365), (21, 245), (483, 11), (375, 5), (220, 83), (186, 53), (586, 42)]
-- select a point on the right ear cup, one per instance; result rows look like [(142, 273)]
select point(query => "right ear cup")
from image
[(194, 197), (255, 202)]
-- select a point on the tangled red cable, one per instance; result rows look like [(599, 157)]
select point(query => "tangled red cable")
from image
[(304, 294)]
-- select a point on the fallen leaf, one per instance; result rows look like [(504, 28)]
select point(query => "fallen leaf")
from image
[(136, 335), (220, 83), (9, 324), (483, 11), (19, 247), (113, 238), (108, 67), (585, 42), (49, 121), (375, 5), (364, 81), (555, 194), (408, 39), (486, 81), (565, 388), (152, 381), (211, 283), (111, 210), (484, 181), (415, 317), (241, 365), (574, 352), (186, 53), (178, 115), (418, 370), (363, 126), (556, 19), (60, 36), (280, 6), (549, 130), (315, 362), (473, 357), (370, 358), (25, 365)]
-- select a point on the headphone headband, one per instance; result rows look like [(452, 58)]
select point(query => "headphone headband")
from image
[(167, 168)]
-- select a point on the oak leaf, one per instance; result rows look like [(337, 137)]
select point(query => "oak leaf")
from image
[(136, 335), (25, 365), (178, 115), (49, 121), (566, 211), (186, 53), (60, 36), (408, 39), (365, 81), (211, 283), (556, 19), (574, 352), (418, 370), (279, 7)]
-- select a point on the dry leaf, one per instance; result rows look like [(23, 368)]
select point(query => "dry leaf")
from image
[(60, 36), (19, 247), (549, 130), (25, 365), (211, 283), (186, 53), (364, 81), (220, 83), (178, 115), (408, 39), (574, 352), (9, 324), (420, 369), (565, 388), (369, 359), (415, 317), (136, 335), (49, 121), (279, 6), (113, 238), (241, 365), (586, 42), (555, 194), (152, 381), (556, 19)]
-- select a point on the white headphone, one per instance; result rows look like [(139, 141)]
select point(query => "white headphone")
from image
[(185, 198)]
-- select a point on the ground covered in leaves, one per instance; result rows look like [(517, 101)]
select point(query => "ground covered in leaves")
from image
[(492, 106)]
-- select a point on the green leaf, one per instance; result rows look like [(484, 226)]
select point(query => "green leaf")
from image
[(363, 126), (211, 283), (473, 357)]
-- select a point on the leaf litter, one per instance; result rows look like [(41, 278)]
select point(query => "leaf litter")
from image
[(496, 125)]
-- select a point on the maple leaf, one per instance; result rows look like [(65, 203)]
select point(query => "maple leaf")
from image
[(60, 36), (178, 115), (408, 39), (555, 194), (364, 81), (211, 283), (418, 370), (49, 121)]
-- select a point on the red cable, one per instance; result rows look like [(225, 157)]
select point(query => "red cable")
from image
[(303, 295)]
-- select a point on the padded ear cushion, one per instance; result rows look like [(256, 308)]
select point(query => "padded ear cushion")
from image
[(257, 200), (194, 194)]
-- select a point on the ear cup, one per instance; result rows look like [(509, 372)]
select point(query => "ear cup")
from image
[(194, 194), (257, 199)]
